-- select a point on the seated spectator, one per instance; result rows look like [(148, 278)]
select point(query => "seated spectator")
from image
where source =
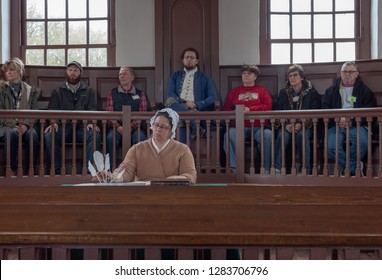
[(299, 94), (190, 89), (15, 94), (160, 157), (254, 98), (72, 95), (349, 91), (125, 94)]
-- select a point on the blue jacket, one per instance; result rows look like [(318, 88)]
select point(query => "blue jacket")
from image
[(204, 89)]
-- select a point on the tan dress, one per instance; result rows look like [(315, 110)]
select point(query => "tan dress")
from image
[(142, 162)]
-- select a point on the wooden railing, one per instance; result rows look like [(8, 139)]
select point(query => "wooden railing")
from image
[(322, 167), (211, 162)]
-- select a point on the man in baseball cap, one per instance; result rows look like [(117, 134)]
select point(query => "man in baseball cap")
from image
[(72, 95), (75, 63)]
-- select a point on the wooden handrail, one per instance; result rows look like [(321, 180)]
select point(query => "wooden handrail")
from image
[(207, 151)]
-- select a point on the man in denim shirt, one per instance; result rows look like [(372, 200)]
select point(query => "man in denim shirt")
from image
[(190, 89)]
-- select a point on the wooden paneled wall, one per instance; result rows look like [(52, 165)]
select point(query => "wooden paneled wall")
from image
[(322, 75), (272, 77), (101, 79)]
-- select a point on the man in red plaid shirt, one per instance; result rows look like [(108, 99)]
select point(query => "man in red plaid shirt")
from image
[(125, 94)]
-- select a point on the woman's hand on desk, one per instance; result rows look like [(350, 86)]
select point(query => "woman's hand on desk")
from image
[(102, 176)]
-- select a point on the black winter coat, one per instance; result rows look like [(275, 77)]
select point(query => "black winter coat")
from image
[(364, 97)]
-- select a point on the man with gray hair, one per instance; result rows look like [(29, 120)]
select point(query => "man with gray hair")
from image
[(126, 94), (348, 92)]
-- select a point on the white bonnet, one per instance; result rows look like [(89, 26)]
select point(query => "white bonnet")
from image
[(173, 115)]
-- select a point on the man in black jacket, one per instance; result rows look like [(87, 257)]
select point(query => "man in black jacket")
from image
[(72, 95), (348, 92)]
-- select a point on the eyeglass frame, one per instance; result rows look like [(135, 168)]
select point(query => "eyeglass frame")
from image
[(189, 57), (348, 72), (159, 126), (293, 75)]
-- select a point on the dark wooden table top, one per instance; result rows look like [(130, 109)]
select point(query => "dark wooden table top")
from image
[(192, 215)]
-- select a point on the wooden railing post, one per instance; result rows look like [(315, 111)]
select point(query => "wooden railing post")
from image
[(240, 157), (126, 123)]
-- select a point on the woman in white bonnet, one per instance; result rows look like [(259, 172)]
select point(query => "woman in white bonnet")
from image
[(160, 157)]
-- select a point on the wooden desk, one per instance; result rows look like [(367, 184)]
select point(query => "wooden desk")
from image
[(233, 215)]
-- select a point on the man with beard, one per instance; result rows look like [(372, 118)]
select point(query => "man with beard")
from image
[(72, 95), (190, 89)]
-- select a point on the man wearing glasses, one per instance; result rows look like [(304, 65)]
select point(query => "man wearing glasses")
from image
[(348, 92), (190, 89)]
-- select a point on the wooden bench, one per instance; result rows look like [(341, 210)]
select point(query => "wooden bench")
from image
[(261, 221)]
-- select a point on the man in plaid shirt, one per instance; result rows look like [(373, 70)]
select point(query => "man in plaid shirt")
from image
[(125, 94)]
